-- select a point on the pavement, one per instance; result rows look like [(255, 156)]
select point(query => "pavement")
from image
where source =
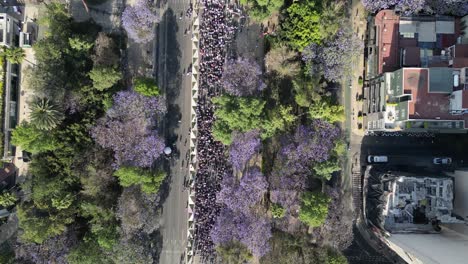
[(172, 52), (31, 12)]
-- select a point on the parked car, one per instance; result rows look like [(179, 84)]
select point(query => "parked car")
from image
[(377, 159), (442, 161)]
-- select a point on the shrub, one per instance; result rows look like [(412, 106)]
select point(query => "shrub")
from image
[(146, 86), (314, 208), (277, 211), (148, 181), (7, 199), (104, 77)]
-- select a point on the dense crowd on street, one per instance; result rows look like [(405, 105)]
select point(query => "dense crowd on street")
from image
[(215, 34)]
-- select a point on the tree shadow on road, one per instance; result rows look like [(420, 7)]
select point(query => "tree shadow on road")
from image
[(171, 82)]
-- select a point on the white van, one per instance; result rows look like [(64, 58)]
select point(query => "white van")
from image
[(377, 159)]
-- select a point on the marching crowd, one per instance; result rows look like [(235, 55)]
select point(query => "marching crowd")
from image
[(215, 34)]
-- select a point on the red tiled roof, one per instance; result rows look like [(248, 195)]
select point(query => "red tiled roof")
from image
[(387, 26)]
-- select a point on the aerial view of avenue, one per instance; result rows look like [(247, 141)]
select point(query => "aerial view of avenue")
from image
[(234, 131)]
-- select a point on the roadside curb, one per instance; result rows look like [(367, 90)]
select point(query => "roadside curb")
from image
[(189, 251)]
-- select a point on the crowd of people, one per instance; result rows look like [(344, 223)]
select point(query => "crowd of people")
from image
[(216, 32)]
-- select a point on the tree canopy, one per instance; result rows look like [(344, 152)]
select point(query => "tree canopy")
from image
[(314, 208), (148, 181), (104, 77), (32, 139), (146, 86), (138, 21), (236, 114), (302, 24)]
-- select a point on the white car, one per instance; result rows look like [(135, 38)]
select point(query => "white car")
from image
[(442, 161), (377, 159)]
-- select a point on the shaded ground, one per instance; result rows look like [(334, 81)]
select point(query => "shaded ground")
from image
[(107, 14), (172, 57)]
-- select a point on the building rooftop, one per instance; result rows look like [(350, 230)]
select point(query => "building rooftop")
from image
[(405, 202), (386, 22), (414, 41), (441, 80)]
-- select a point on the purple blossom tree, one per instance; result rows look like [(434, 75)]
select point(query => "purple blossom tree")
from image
[(226, 227), (376, 5), (243, 147), (408, 7), (138, 21), (333, 57), (242, 77), (240, 197), (128, 129), (252, 231), (312, 143), (308, 145), (448, 7)]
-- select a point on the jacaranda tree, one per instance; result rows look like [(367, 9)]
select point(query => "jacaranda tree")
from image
[(446, 7), (128, 129), (243, 147), (251, 230), (333, 57), (245, 194), (242, 77), (138, 21)]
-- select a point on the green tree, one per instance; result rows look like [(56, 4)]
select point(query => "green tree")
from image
[(103, 223), (45, 115), (283, 61), (308, 90), (146, 86), (262, 9), (331, 17), (335, 257), (149, 182), (79, 44), (327, 111), (14, 55), (340, 148), (104, 77), (302, 24), (7, 199), (314, 208), (236, 114), (31, 139), (38, 225), (277, 120), (277, 211), (88, 252), (325, 169), (234, 253)]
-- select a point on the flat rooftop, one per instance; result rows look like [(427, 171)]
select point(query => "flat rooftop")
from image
[(425, 104)]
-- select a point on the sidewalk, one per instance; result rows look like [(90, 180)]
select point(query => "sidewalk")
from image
[(26, 95)]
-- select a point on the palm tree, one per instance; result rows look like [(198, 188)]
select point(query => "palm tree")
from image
[(14, 55), (45, 115)]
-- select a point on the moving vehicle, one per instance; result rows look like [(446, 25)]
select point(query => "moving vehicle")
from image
[(377, 159), (442, 161)]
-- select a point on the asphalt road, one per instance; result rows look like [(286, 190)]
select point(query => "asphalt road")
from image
[(173, 57), (405, 151)]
